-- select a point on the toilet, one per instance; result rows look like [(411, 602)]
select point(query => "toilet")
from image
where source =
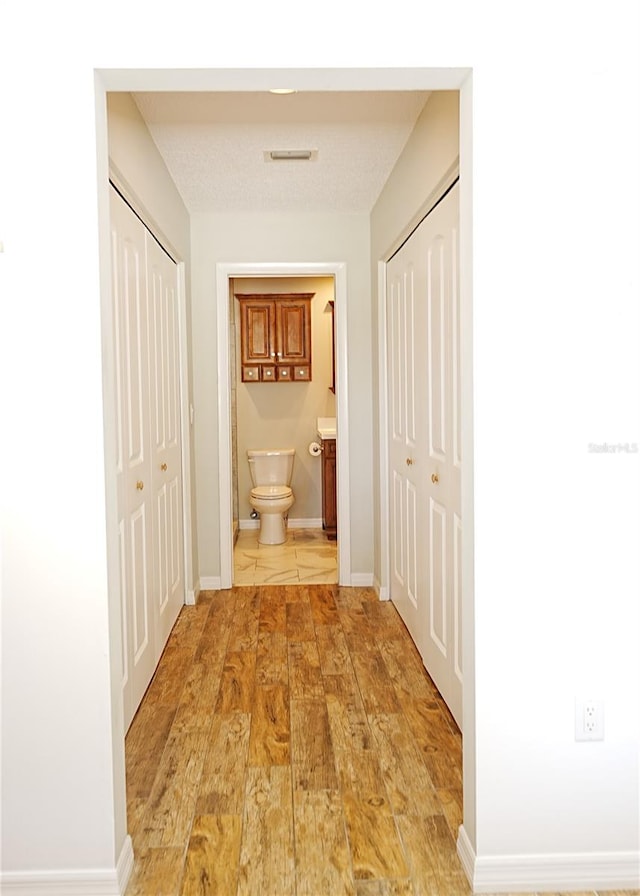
[(271, 495)]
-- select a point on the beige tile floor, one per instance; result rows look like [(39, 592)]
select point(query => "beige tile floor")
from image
[(306, 557)]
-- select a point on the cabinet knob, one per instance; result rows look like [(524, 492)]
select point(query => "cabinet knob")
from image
[(139, 485), (163, 467), (434, 478), (409, 461)]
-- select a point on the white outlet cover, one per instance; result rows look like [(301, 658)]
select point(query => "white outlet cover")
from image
[(589, 719)]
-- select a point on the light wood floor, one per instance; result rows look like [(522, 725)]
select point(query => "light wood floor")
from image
[(292, 743)]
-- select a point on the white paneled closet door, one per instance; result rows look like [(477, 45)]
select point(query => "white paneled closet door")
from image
[(423, 325), (149, 448), (407, 324), (166, 445)]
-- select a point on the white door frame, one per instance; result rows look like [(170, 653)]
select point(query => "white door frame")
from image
[(224, 272), (449, 78)]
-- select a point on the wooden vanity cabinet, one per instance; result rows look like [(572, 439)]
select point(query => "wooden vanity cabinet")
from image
[(275, 337), (329, 501)]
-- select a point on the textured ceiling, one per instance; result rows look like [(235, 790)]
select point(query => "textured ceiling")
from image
[(214, 146)]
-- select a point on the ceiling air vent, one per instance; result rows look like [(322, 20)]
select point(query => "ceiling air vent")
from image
[(291, 155)]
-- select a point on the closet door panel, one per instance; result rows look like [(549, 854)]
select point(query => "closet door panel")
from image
[(167, 441), (135, 502), (149, 449), (442, 653), (407, 445), (424, 443)]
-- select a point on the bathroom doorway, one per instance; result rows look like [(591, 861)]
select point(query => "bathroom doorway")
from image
[(279, 412), (268, 414)]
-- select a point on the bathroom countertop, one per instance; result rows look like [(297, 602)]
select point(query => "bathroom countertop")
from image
[(326, 427)]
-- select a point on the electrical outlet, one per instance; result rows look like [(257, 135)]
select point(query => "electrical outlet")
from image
[(589, 717)]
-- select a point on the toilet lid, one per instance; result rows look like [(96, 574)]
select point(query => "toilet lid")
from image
[(271, 491)]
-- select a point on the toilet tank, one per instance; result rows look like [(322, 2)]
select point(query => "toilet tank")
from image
[(271, 467)]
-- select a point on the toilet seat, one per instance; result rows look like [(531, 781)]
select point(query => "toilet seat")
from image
[(271, 492)]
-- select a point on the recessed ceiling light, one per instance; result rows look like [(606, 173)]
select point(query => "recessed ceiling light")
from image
[(282, 91)]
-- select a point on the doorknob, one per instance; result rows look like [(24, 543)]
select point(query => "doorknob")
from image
[(434, 478), (139, 485), (163, 467), (409, 461)]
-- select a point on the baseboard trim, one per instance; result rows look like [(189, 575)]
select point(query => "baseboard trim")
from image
[(383, 593), (466, 854), (563, 872), (311, 523), (362, 579), (210, 583), (85, 882), (124, 867)]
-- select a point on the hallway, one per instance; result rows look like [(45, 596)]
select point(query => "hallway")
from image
[(292, 743)]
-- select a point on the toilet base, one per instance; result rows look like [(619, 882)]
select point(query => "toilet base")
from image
[(273, 528)]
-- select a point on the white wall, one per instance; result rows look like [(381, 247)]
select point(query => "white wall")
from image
[(136, 161), (555, 288), (62, 757), (248, 238), (430, 152)]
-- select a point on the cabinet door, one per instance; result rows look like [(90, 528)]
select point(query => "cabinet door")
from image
[(329, 502), (251, 374), (293, 326), (258, 331), (275, 337)]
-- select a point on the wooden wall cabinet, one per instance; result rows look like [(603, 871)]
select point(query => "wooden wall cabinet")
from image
[(329, 501), (275, 337)]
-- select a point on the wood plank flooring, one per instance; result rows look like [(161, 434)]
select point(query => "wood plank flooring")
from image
[(292, 744)]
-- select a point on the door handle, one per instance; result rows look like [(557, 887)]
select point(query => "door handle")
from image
[(434, 478), (139, 485), (163, 467)]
